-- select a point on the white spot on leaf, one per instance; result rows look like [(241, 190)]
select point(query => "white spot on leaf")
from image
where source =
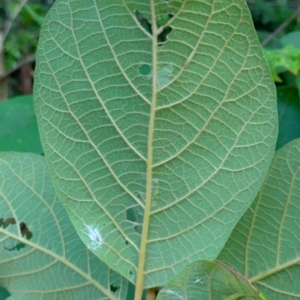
[(169, 292), (164, 76), (95, 237), (199, 280)]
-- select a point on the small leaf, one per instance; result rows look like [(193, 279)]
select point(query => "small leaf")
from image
[(208, 280), (3, 294), (285, 59), (292, 38), (19, 131), (41, 256), (288, 115), (265, 244)]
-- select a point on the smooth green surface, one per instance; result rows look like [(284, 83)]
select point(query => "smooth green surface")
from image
[(19, 131), (208, 280), (288, 115), (53, 263), (292, 38), (3, 294), (179, 152), (266, 242)]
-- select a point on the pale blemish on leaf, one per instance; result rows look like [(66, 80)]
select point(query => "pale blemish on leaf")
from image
[(199, 280), (164, 76), (169, 292), (95, 237), (154, 187)]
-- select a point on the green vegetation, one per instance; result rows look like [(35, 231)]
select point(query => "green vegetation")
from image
[(158, 121)]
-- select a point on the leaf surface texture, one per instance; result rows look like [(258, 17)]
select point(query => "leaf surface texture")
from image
[(208, 280), (265, 244), (160, 144), (41, 255)]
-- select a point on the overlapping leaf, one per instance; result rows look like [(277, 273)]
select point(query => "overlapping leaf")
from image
[(208, 280), (41, 256), (288, 100), (19, 131), (265, 244), (159, 137), (3, 293)]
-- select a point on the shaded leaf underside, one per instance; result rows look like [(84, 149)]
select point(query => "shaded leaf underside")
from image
[(183, 132), (51, 262), (265, 245), (208, 280)]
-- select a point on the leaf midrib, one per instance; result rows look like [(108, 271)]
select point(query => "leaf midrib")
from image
[(144, 237)]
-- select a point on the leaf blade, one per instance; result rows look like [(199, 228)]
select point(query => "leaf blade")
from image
[(208, 280), (213, 132), (19, 131), (52, 250)]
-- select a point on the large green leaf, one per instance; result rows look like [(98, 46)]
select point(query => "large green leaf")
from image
[(161, 147), (265, 244), (208, 280), (18, 126), (41, 256)]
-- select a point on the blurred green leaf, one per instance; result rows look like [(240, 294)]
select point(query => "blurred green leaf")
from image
[(33, 13), (208, 280), (3, 294), (265, 244), (23, 36), (292, 38), (19, 131), (285, 59), (288, 115), (41, 256)]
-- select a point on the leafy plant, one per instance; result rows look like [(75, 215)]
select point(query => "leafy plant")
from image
[(284, 59), (25, 30), (284, 63), (158, 122)]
